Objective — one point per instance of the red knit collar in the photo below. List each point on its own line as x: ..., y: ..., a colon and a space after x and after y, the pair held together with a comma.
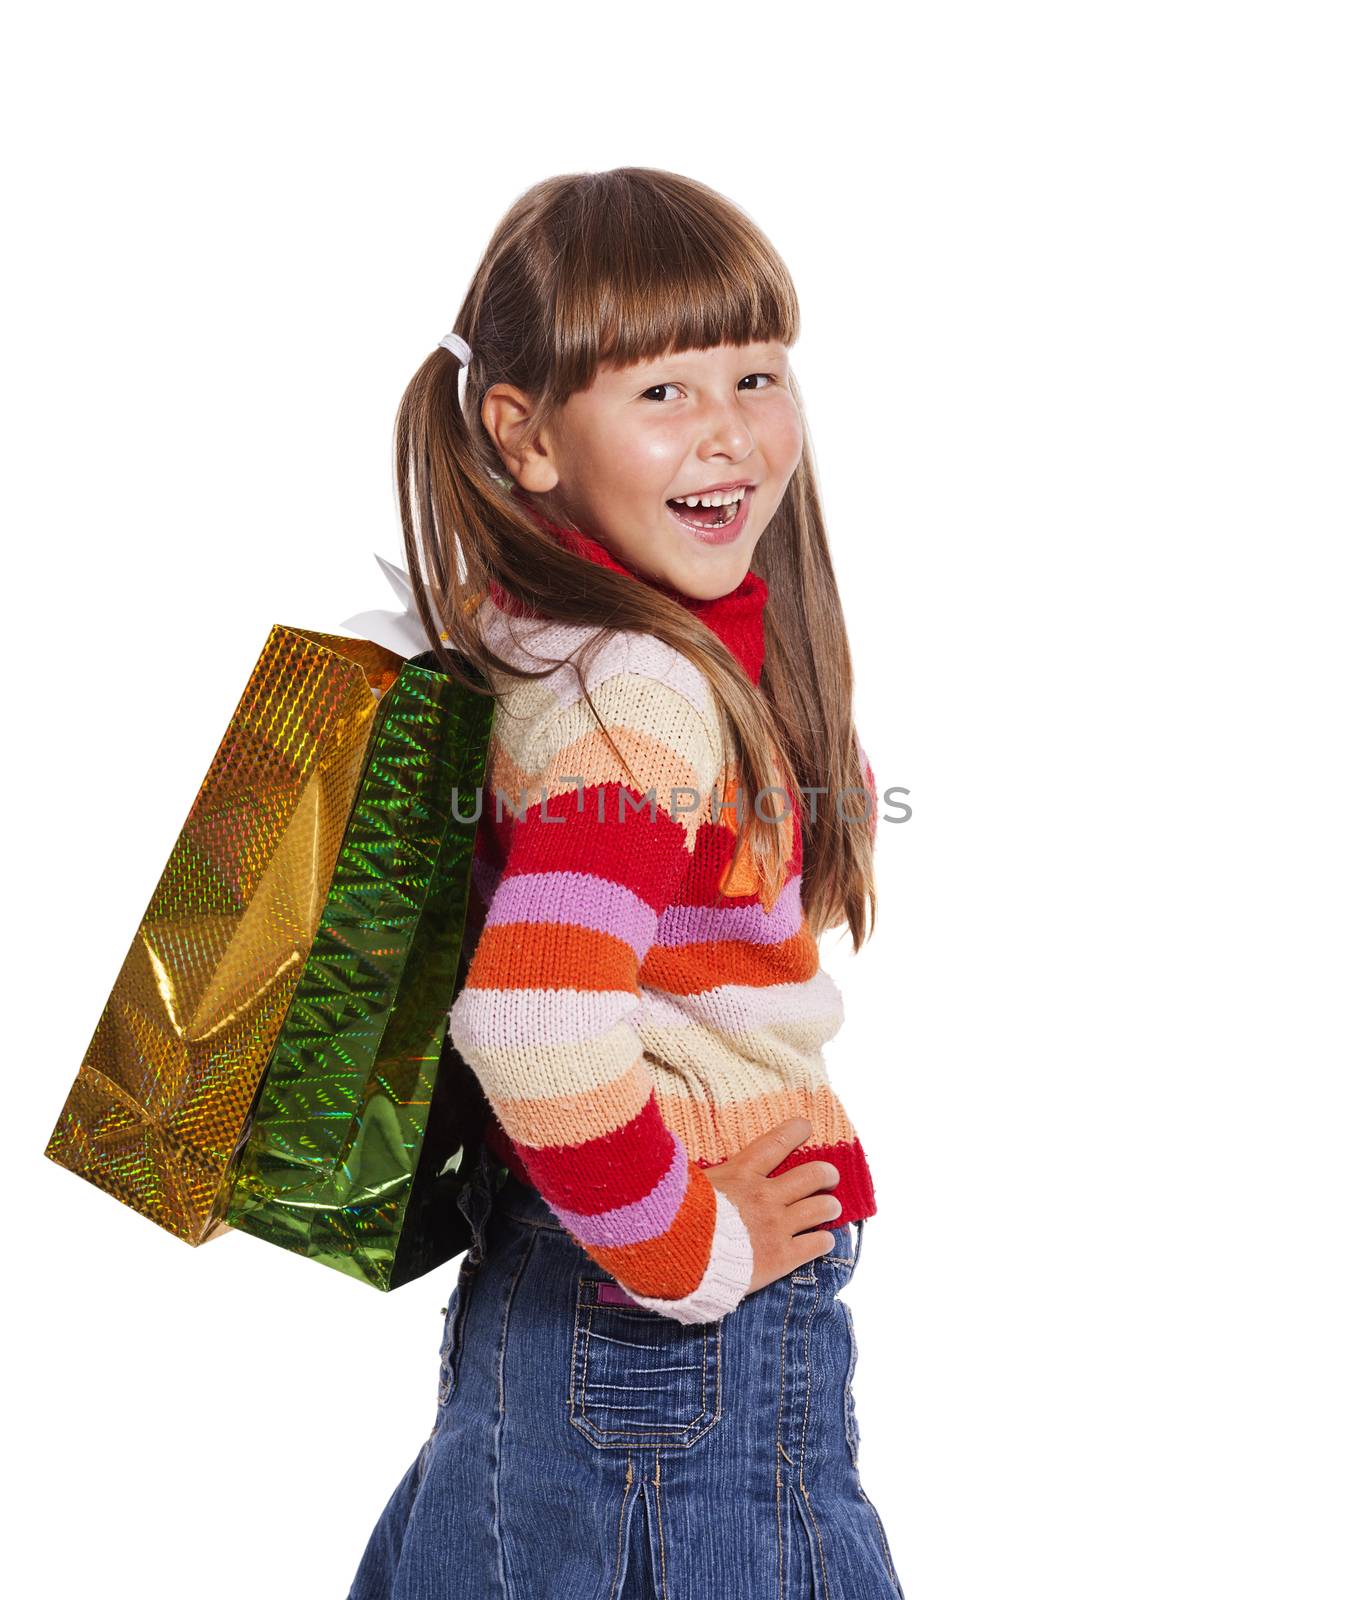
x: 735, y: 618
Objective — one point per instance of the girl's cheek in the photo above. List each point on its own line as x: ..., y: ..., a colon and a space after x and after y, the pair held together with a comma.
x: 781, y: 435
x: 659, y: 454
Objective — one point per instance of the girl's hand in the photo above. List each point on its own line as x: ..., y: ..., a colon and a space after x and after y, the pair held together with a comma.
x: 776, y: 1209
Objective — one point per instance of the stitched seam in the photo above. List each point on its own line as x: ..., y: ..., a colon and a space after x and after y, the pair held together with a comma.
x: 780, y: 1449
x: 446, y: 1376
x: 706, y: 1366
x: 884, y: 1546
x: 621, y: 1519
x: 659, y: 1523
x: 496, y: 1519
x: 716, y: 1417
x: 574, y: 1367
x: 805, y: 1431
x: 849, y: 1404
x: 584, y: 1376
x: 463, y: 1292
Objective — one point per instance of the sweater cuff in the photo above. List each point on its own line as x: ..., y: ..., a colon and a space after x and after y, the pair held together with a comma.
x: 726, y: 1279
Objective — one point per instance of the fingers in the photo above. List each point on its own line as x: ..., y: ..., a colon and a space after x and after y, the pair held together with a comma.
x: 777, y: 1210
x: 770, y: 1149
x: 815, y: 1245
x: 813, y: 1211
x: 805, y: 1178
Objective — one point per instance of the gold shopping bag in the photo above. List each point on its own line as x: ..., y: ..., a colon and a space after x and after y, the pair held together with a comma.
x: 160, y: 1103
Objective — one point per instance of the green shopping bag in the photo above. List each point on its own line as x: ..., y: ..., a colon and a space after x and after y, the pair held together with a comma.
x: 367, y: 1119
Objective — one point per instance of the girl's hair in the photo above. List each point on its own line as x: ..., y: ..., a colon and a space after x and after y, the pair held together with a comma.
x: 620, y: 267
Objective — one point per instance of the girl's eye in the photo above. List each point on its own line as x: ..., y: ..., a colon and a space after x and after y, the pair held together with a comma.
x: 658, y: 387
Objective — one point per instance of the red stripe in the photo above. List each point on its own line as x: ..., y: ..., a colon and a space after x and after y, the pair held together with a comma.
x: 613, y: 1170
x: 624, y: 847
x: 854, y: 1189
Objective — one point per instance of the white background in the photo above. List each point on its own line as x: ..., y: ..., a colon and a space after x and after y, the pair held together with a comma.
x: 1078, y: 355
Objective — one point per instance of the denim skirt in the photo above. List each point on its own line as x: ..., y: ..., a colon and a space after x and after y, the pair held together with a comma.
x: 586, y: 1448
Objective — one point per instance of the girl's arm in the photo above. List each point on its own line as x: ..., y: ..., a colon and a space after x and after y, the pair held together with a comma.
x: 545, y: 1018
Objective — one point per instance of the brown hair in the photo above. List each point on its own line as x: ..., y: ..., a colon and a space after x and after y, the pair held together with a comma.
x: 621, y: 267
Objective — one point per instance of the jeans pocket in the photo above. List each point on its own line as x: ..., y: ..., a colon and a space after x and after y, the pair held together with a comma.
x: 449, y: 1354
x: 638, y: 1377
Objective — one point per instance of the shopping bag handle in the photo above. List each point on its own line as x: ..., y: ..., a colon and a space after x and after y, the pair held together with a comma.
x: 400, y: 631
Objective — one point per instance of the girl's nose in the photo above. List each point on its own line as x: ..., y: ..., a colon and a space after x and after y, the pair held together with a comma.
x: 725, y: 431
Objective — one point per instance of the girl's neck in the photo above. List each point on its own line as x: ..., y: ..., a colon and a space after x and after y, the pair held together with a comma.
x: 735, y: 618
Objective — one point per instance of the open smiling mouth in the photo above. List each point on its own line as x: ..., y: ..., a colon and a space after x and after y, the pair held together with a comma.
x: 728, y: 510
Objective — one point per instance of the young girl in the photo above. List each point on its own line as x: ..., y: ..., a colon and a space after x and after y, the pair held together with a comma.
x: 646, y: 1369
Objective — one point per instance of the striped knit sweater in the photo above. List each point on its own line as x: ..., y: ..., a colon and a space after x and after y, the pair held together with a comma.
x: 631, y: 1012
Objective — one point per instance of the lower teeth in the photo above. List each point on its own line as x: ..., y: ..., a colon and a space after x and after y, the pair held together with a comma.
x: 723, y: 515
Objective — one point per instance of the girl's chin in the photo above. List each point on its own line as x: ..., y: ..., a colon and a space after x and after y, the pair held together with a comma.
x: 705, y: 574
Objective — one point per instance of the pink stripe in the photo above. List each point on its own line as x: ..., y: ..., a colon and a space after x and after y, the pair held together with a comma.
x: 641, y: 1219
x: 681, y: 925
x: 577, y: 898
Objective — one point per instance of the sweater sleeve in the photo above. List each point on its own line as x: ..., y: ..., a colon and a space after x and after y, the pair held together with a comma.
x: 545, y: 1017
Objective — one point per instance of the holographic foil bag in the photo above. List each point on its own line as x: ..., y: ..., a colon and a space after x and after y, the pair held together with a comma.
x: 160, y: 1101
x: 367, y: 1117
x: 280, y: 1018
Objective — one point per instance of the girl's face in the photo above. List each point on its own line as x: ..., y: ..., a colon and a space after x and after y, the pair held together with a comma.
x: 620, y: 452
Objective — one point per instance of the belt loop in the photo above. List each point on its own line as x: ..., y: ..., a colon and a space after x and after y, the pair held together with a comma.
x: 857, y: 1253
x: 475, y: 1201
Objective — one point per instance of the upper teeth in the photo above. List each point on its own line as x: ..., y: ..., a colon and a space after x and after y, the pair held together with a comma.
x: 727, y: 497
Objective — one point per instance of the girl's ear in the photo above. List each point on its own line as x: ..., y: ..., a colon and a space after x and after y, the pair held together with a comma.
x: 505, y: 411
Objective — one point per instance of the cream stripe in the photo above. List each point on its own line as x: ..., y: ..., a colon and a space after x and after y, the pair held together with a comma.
x: 654, y: 711
x: 739, y: 1005
x: 563, y: 1119
x: 531, y: 643
x: 715, y: 1074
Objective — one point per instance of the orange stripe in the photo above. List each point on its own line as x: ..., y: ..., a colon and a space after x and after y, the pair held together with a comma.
x: 551, y: 955
x: 709, y: 1132
x: 672, y: 1263
x: 695, y: 968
